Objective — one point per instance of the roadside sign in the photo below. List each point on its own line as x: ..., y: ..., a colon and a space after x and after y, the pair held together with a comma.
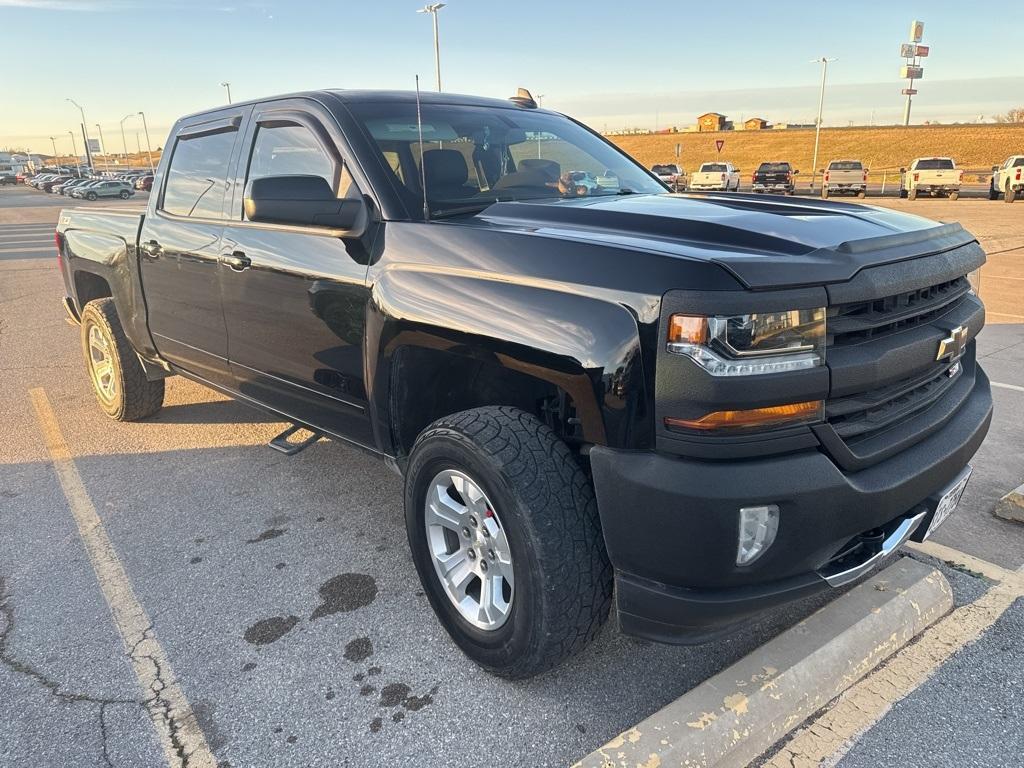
x: 907, y: 50
x: 916, y: 31
x: 719, y: 143
x: 909, y: 91
x: 679, y: 149
x: 911, y: 72
x: 921, y: 50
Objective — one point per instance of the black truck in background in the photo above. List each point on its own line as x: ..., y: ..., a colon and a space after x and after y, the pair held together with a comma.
x: 715, y: 403
x: 776, y: 176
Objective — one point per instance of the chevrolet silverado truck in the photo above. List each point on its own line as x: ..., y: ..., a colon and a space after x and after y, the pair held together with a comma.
x: 1007, y: 179
x: 933, y: 176
x: 716, y: 177
x: 844, y: 177
x: 716, y: 404
x: 774, y: 177
x: 671, y: 175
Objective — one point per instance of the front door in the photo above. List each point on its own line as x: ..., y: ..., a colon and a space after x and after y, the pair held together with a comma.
x: 295, y: 297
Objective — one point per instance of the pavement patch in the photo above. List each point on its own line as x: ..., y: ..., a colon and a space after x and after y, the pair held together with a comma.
x: 732, y: 718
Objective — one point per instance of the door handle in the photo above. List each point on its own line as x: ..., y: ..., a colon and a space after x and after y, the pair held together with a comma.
x: 151, y: 248
x: 237, y: 260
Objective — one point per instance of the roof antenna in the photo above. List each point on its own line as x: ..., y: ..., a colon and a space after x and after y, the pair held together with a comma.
x: 423, y: 159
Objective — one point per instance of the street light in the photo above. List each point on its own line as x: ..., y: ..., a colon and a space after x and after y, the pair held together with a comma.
x: 149, y: 147
x: 432, y: 9
x: 103, y: 146
x: 85, y: 133
x: 821, y: 101
x: 124, y: 144
x: 540, y: 100
x: 74, y: 153
x: 56, y: 162
x: 227, y: 85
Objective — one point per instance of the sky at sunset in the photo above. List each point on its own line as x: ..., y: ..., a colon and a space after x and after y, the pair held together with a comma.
x: 614, y: 65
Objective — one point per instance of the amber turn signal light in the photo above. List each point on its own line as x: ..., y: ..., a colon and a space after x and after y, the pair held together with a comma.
x: 772, y: 416
x: 687, y: 329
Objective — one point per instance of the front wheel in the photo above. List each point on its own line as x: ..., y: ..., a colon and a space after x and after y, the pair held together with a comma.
x: 1010, y: 194
x: 90, y: 196
x: 504, y: 532
x: 912, y: 194
x: 862, y: 194
x: 824, y: 193
x: 118, y: 379
x: 125, y: 194
x: 954, y: 195
x: 993, y: 193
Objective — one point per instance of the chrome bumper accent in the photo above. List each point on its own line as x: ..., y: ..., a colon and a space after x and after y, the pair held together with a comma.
x: 893, y: 541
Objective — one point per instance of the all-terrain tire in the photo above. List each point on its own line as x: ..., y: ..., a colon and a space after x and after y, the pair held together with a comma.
x: 134, y: 396
x: 547, y: 507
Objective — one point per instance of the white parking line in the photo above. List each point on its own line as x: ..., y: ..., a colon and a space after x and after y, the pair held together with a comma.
x: 180, y: 735
x: 1014, y: 387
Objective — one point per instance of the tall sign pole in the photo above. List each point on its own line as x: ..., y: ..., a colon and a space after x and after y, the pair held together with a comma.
x: 912, y: 70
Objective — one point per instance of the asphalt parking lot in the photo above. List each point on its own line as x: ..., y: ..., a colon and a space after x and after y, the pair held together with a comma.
x: 281, y: 589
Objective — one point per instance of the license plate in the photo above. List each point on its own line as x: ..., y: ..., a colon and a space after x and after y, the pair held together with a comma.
x: 949, y: 500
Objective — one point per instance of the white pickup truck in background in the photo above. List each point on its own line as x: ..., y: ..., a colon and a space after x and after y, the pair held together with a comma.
x: 1007, y: 179
x: 935, y: 176
x: 722, y: 177
x: 672, y: 175
x: 844, y: 177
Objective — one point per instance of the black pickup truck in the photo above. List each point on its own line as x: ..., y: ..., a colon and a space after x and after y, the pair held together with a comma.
x: 777, y: 176
x: 715, y: 403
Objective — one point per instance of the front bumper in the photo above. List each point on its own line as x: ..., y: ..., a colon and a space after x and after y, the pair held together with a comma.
x: 671, y: 524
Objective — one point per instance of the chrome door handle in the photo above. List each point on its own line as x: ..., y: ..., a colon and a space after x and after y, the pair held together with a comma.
x: 151, y: 248
x: 237, y: 260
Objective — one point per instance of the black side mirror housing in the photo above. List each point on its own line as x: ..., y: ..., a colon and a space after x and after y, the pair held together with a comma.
x: 301, y: 201
x: 995, y: 167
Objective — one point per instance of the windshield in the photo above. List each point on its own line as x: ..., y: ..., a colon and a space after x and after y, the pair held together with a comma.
x: 474, y: 156
x: 935, y: 164
x: 845, y: 165
x: 713, y: 168
x: 664, y: 170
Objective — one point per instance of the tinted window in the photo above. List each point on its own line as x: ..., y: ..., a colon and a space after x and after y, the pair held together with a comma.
x: 935, y: 164
x: 289, y: 150
x: 666, y: 169
x: 1019, y: 162
x: 713, y: 168
x: 846, y: 165
x: 774, y: 167
x: 197, y: 175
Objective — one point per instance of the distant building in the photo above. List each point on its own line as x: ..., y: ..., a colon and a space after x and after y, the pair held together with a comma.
x: 791, y: 126
x: 755, y: 124
x: 713, y: 121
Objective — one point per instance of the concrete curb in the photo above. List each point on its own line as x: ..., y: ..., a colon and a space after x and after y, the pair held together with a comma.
x: 732, y: 718
x: 1011, y: 506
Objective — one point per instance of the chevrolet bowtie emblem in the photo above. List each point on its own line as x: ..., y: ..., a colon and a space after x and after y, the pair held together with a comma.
x: 953, y: 345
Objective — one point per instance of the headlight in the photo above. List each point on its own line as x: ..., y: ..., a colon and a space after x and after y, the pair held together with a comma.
x: 742, y: 345
x: 974, y: 278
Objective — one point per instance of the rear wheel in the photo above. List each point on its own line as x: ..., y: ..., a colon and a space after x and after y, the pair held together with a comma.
x: 912, y: 194
x: 954, y: 195
x: 862, y: 194
x: 824, y: 193
x: 504, y: 532
x: 1010, y: 194
x: 122, y: 389
x: 993, y: 193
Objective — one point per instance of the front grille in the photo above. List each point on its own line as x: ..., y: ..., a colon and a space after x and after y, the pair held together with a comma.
x: 861, y: 321
x: 863, y: 415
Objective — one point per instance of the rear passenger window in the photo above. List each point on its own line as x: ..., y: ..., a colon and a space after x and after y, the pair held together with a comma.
x: 197, y: 175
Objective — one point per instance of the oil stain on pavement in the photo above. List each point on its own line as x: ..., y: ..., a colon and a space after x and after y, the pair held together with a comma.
x: 270, y: 533
x: 267, y: 631
x: 344, y: 593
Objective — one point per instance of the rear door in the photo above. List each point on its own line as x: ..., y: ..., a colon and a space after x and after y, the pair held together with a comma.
x: 295, y: 305
x: 180, y: 245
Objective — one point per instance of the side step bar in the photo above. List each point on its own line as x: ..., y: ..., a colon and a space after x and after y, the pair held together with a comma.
x: 282, y: 444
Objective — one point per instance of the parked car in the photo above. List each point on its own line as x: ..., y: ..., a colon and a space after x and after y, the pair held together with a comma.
x: 844, y: 177
x: 49, y: 184
x: 8, y: 179
x: 1007, y: 179
x: 583, y: 389
x: 144, y: 183
x: 716, y: 176
x: 37, y: 180
x: 934, y: 176
x: 80, y: 190
x: 672, y: 175
x: 777, y: 176
x: 105, y: 188
x: 65, y: 187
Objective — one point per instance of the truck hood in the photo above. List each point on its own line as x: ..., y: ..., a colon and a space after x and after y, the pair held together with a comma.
x: 763, y: 242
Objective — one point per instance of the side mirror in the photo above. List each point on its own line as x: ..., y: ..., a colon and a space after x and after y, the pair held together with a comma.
x: 995, y: 167
x: 796, y: 173
x: 903, y: 170
x: 302, y: 201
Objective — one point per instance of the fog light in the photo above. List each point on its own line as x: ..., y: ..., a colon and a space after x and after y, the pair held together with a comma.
x: 758, y: 526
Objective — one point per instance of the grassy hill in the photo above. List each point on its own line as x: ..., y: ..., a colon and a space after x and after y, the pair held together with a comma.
x: 974, y: 147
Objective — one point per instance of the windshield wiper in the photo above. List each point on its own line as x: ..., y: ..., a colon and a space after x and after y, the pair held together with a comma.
x: 461, y: 210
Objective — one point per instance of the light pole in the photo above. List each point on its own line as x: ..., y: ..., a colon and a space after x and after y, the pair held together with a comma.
x: 103, y: 146
x: 432, y: 9
x: 124, y: 144
x: 74, y: 153
x: 149, y: 147
x: 821, y: 102
x: 227, y: 85
x: 540, y: 100
x: 85, y: 133
x: 56, y: 162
